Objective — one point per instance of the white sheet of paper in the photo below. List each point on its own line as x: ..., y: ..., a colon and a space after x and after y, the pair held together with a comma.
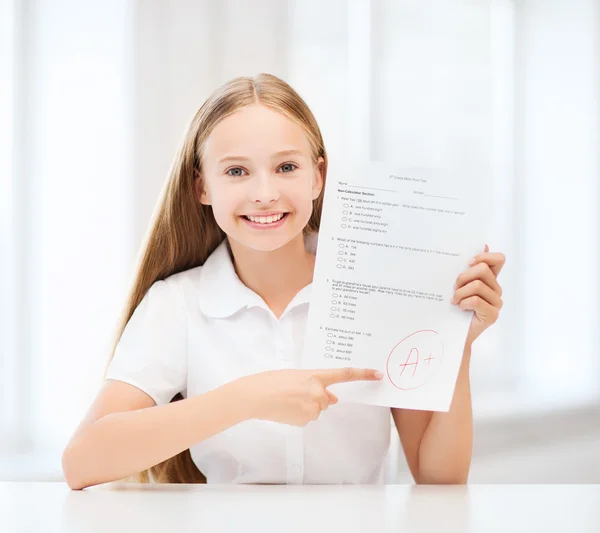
x: 391, y: 244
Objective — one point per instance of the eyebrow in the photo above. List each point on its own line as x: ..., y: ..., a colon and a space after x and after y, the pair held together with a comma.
x: 243, y: 158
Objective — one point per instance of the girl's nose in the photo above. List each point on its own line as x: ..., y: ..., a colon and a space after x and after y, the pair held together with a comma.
x: 264, y: 188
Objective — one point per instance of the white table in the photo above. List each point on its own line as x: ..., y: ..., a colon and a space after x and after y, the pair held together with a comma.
x: 114, y: 507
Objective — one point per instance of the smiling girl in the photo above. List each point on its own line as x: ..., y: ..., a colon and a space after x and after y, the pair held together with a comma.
x: 205, y: 382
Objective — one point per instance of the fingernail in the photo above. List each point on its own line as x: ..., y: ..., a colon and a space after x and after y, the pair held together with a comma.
x: 472, y: 261
x: 378, y: 374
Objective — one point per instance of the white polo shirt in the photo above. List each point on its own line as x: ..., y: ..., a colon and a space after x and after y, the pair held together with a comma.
x: 202, y: 328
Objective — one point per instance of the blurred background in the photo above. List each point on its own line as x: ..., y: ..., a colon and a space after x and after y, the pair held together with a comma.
x: 95, y: 97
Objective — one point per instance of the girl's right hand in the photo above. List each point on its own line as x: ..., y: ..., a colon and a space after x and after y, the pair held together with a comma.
x: 296, y: 396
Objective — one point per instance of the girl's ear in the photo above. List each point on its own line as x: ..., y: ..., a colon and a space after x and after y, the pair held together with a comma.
x: 200, y: 191
x: 318, y: 178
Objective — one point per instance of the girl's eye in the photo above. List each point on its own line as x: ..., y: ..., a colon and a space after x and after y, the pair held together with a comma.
x: 237, y: 174
x: 288, y: 165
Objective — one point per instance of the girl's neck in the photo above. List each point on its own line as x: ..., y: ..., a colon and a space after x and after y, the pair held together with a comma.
x: 275, y: 276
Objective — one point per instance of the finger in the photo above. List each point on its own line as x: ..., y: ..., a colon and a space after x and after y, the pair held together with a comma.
x: 341, y: 375
x: 324, y: 402
x: 485, y: 312
x: 333, y: 399
x: 494, y: 260
x: 478, y: 288
x: 480, y: 271
x: 319, y: 394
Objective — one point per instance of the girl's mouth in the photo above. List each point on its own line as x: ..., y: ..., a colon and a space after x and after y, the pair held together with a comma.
x: 270, y: 222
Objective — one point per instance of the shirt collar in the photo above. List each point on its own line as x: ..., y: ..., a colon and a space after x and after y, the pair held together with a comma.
x: 222, y: 293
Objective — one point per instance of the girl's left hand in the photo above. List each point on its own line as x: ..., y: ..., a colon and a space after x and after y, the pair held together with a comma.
x: 477, y: 289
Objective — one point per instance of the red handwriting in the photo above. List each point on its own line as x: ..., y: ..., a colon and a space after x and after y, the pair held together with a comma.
x: 410, y: 352
x: 414, y: 364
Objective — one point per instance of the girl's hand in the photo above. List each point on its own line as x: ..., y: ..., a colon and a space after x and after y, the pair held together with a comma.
x: 477, y: 289
x: 296, y: 396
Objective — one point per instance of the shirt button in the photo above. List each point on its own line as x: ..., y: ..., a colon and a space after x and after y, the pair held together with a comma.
x: 296, y: 469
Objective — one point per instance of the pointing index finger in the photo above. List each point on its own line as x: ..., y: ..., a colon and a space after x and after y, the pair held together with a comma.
x: 341, y: 375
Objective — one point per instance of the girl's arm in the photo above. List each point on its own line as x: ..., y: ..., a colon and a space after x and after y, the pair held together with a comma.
x: 438, y: 445
x: 125, y: 432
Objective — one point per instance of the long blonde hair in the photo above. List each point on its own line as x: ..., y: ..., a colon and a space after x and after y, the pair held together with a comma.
x: 183, y: 232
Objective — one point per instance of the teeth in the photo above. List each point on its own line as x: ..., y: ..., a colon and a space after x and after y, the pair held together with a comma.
x: 266, y: 220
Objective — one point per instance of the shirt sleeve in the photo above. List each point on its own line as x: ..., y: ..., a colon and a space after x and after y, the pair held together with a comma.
x: 152, y: 352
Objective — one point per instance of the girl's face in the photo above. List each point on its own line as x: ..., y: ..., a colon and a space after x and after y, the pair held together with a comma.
x: 259, y: 177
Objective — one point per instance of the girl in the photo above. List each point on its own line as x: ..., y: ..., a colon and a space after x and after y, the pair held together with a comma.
x: 204, y: 384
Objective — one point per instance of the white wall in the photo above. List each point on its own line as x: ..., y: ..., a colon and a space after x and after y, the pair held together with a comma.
x: 557, y: 196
